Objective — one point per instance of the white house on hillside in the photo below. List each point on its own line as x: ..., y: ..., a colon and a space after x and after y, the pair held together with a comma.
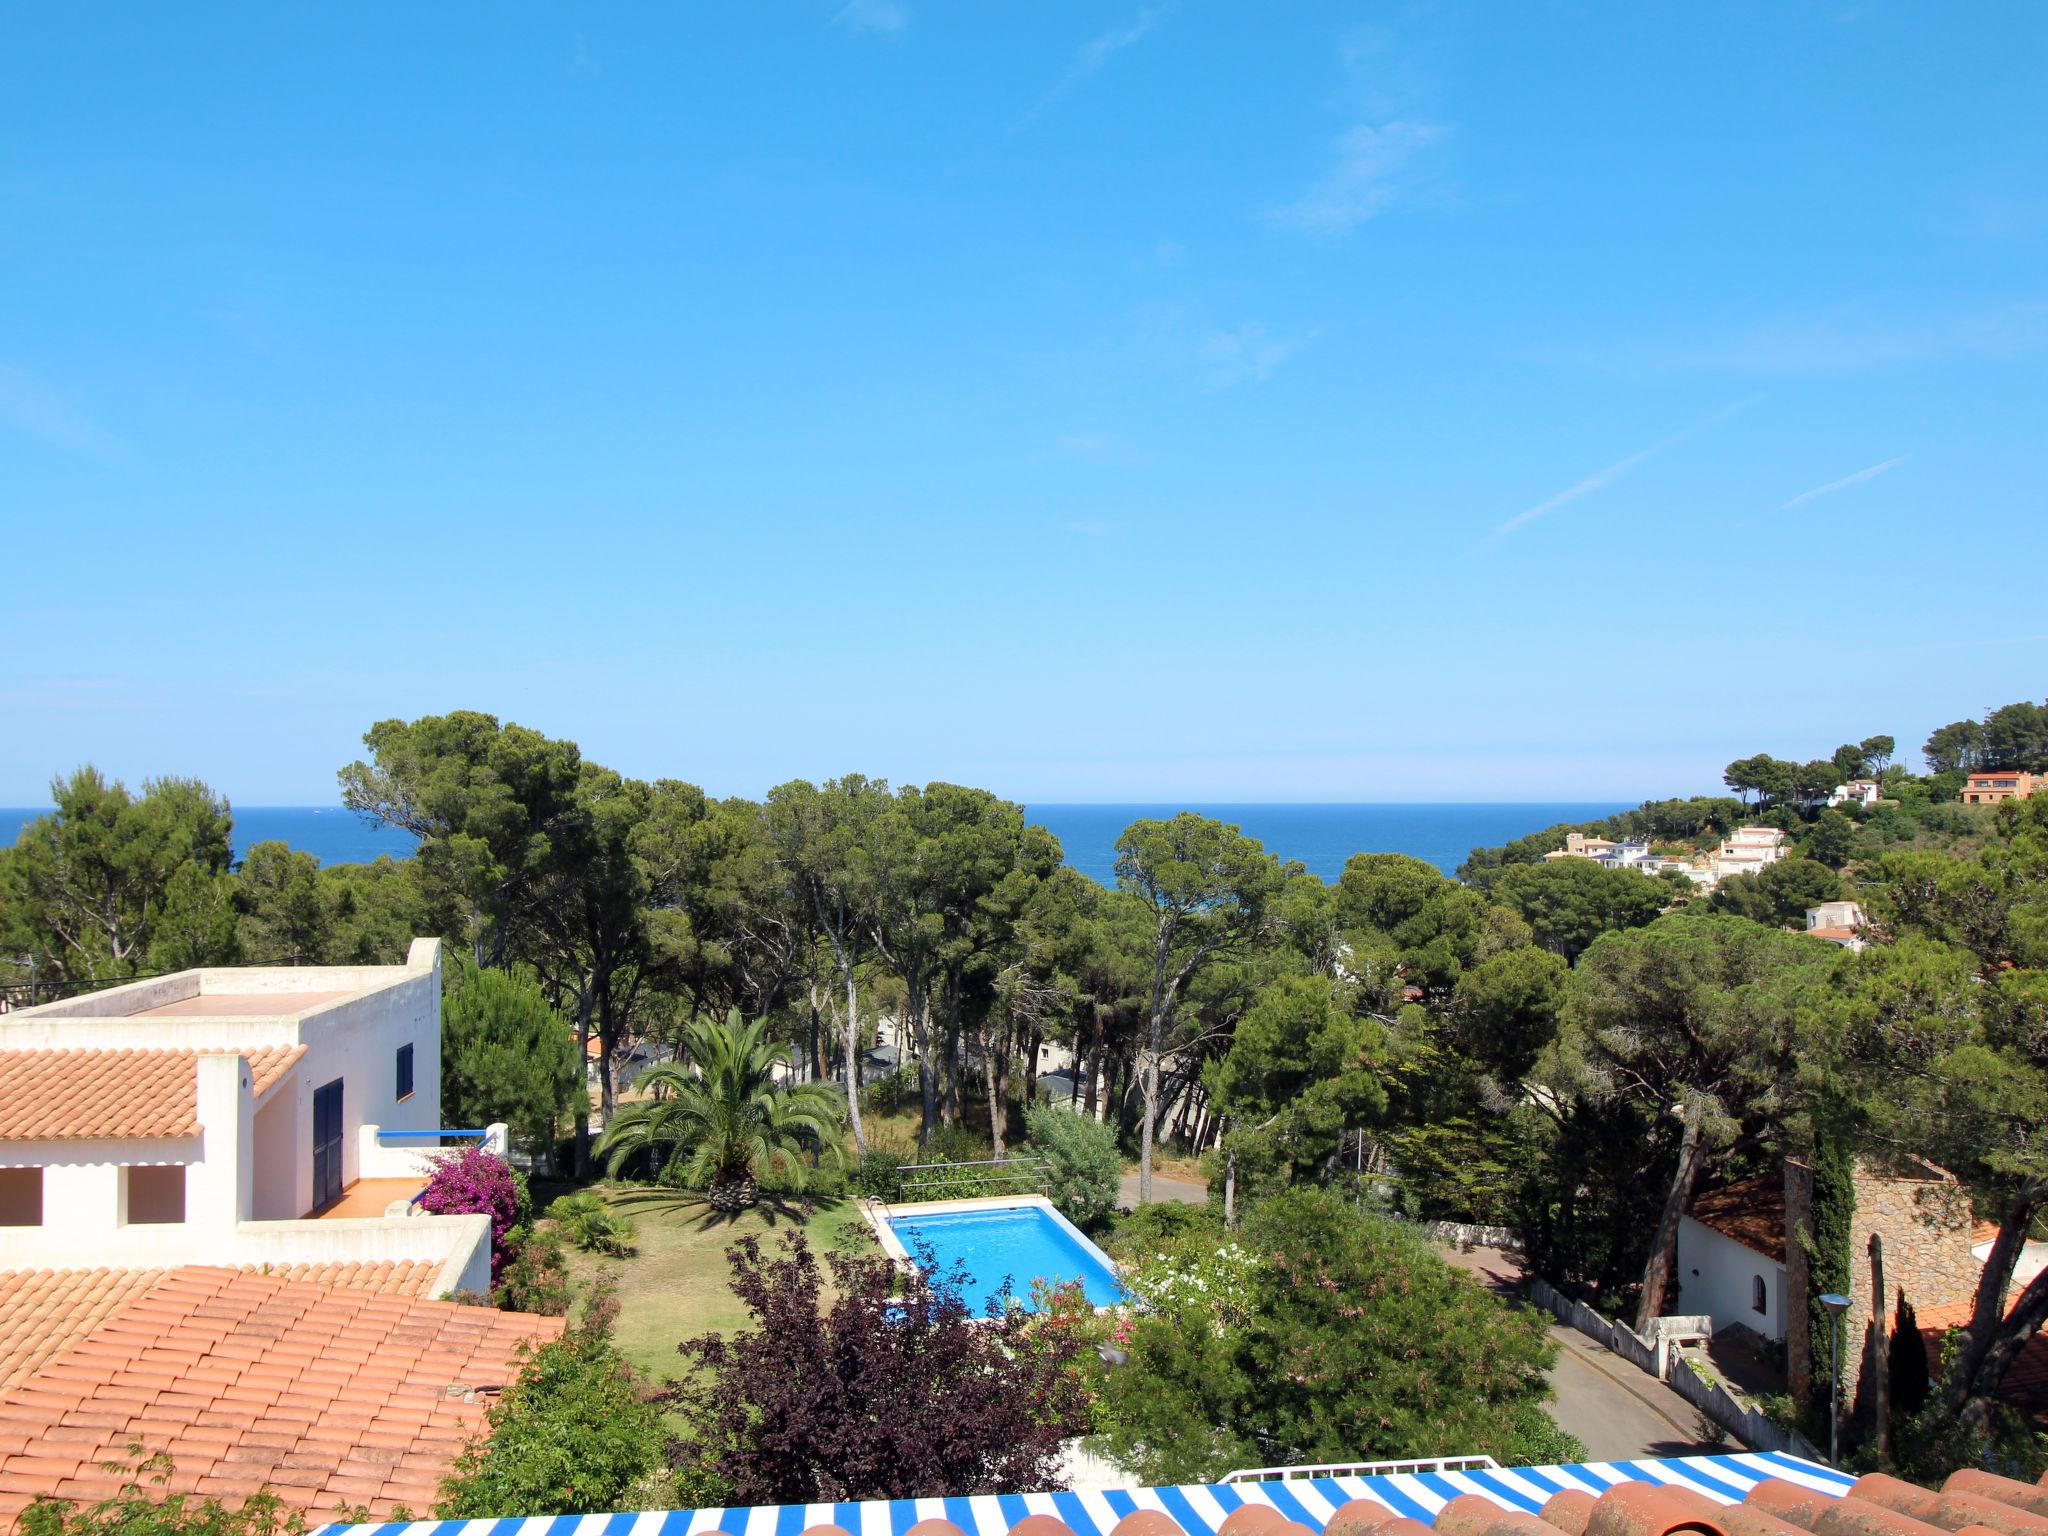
x: 1839, y: 922
x: 199, y: 1118
x: 1855, y: 792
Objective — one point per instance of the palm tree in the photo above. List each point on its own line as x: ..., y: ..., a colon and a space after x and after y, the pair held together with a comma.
x: 722, y: 1119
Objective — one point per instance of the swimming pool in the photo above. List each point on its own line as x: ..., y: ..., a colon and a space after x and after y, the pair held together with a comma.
x: 1018, y: 1240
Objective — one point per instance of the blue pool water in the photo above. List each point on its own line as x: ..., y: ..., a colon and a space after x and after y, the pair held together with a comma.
x: 1018, y: 1246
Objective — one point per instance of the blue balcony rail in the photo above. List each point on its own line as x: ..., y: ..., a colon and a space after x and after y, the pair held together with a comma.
x: 462, y: 1135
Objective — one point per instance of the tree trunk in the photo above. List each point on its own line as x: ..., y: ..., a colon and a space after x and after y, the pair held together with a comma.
x: 1230, y: 1189
x: 1150, y: 1123
x: 1996, y: 1335
x: 1664, y: 1247
x: 917, y: 1008
x: 583, y: 1101
x: 1095, y: 1098
x: 993, y: 1080
x: 860, y: 1140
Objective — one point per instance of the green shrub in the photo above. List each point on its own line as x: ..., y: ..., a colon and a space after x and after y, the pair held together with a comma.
x: 886, y: 1095
x: 142, y: 1508
x: 956, y: 1144
x: 1082, y: 1166
x: 1164, y: 1225
x: 534, y: 1278
x: 1355, y: 1340
x: 571, y: 1436
x: 592, y: 1225
x: 875, y: 1174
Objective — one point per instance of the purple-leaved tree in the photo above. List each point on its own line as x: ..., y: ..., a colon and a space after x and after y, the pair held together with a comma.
x: 862, y: 1381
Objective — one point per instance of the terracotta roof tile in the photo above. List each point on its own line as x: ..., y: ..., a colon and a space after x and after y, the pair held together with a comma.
x: 60, y: 1095
x: 1751, y: 1211
x: 342, y: 1360
x: 2026, y: 1380
x: 61, y: 1326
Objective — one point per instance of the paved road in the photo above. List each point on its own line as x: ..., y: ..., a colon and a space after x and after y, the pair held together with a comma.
x: 1617, y: 1411
x: 1163, y: 1189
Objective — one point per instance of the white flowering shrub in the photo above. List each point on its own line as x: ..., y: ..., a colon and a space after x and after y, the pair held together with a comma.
x: 1195, y: 1284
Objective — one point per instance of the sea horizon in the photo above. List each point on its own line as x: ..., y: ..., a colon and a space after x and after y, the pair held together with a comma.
x: 1320, y: 834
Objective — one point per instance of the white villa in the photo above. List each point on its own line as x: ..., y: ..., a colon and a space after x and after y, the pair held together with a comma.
x: 1855, y: 792
x: 1625, y: 853
x: 1748, y: 850
x: 1839, y: 922
x: 210, y: 1116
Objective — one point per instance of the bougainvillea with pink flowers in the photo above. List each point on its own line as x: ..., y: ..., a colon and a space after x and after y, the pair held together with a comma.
x: 476, y: 1181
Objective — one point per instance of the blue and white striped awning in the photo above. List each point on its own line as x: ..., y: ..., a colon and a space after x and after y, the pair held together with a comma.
x: 1198, y: 1510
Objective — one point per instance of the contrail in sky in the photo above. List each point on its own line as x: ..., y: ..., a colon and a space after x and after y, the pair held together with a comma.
x: 1614, y: 471
x: 1845, y: 482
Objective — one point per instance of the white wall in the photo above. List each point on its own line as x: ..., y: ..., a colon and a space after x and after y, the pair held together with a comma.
x: 277, y: 1144
x: 1716, y: 1277
x: 356, y: 1039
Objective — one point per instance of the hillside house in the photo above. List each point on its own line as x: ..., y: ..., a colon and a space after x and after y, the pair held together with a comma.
x: 1999, y: 785
x: 200, y: 1117
x: 1839, y: 922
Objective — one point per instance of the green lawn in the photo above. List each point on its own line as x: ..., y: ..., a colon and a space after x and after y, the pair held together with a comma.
x: 676, y: 1287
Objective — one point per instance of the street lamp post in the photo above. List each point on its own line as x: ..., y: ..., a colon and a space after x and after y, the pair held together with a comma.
x: 1838, y: 1307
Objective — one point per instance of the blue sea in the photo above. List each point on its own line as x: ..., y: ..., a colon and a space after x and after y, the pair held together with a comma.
x: 1321, y: 836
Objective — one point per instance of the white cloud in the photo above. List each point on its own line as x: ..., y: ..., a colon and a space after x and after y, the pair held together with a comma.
x: 872, y: 16
x: 1846, y: 342
x: 1247, y: 353
x: 1373, y: 166
x: 1620, y: 467
x: 1090, y: 57
x: 29, y: 408
x: 1845, y: 482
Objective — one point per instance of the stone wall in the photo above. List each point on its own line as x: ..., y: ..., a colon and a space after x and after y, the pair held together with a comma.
x: 1924, y: 1217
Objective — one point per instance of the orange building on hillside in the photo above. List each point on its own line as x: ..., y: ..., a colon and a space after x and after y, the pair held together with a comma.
x: 2000, y: 784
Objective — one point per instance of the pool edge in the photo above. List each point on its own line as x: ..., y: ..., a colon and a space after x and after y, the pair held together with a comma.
x: 879, y: 1212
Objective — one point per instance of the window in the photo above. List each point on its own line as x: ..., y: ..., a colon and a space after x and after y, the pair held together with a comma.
x: 21, y: 1197
x: 1759, y: 1298
x: 154, y: 1195
x: 405, y: 1071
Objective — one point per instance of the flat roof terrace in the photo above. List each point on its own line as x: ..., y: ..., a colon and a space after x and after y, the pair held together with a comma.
x: 215, y: 1005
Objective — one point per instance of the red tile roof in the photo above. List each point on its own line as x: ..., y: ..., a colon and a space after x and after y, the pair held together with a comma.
x: 61, y: 1095
x: 329, y: 1396
x: 2026, y: 1380
x: 43, y: 1312
x: 1751, y: 1211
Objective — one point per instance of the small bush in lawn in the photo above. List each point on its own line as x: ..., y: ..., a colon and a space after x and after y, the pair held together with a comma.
x: 592, y: 1225
x: 1082, y: 1166
x: 142, y: 1508
x: 476, y: 1181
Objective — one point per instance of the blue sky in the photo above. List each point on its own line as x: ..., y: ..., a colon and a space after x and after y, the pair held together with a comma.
x: 1305, y: 402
